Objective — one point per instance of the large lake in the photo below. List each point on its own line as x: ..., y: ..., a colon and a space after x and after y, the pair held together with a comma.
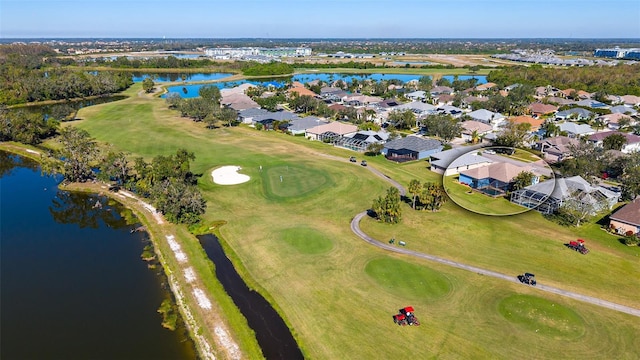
x: 73, y: 283
x: 191, y: 90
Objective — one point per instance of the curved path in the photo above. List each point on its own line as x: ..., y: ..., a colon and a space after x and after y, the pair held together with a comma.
x: 355, y: 227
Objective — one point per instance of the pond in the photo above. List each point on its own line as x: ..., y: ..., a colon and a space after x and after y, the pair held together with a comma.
x: 73, y: 283
x: 68, y: 107
x: 191, y: 90
x: 272, y: 333
x: 172, y: 77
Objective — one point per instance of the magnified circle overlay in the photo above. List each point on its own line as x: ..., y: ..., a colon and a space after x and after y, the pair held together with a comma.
x: 498, y: 181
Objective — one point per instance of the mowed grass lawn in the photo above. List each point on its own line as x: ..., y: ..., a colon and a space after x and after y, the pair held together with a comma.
x: 292, y: 238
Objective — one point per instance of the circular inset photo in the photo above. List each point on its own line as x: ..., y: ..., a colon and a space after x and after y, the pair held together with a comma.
x: 497, y: 181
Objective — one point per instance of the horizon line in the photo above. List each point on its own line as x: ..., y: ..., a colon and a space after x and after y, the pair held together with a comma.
x: 318, y: 38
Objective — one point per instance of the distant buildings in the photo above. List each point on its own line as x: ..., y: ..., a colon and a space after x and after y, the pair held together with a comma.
x: 252, y: 52
x: 618, y: 53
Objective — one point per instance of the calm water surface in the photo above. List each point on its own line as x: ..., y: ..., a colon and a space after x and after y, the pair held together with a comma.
x: 191, y: 90
x: 73, y: 283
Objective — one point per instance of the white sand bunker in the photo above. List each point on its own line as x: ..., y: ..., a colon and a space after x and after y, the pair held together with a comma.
x: 228, y: 175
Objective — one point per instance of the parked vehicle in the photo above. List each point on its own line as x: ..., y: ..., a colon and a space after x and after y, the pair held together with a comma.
x: 528, y: 279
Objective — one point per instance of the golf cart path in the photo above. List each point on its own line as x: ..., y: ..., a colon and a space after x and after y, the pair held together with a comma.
x: 355, y: 227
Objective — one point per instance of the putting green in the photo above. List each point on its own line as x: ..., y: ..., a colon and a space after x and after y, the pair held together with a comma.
x: 292, y: 182
x: 542, y: 316
x: 408, y: 280
x: 306, y: 240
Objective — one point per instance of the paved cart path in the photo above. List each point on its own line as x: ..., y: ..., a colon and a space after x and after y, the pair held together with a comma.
x: 355, y: 227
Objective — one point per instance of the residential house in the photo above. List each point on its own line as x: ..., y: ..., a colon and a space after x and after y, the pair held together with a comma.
x: 613, y: 120
x: 332, y: 93
x: 418, y: 95
x: 246, y: 116
x: 486, y: 86
x: 360, y: 100
x: 267, y: 120
x: 622, y: 109
x: 496, y: 120
x: 524, y: 119
x: 388, y: 103
x: 574, y: 130
x: 361, y: 140
x: 560, y: 101
x: 453, y: 161
x: 411, y: 148
x: 240, y: 89
x: 331, y: 131
x: 540, y: 109
x: 300, y: 125
x: 439, y: 90
x: 592, y: 104
x: 238, y: 101
x: 631, y: 100
x: 493, y: 179
x: 443, y: 99
x: 301, y: 91
x: 468, y: 127
x: 627, y: 218
x: 574, y: 114
x: 469, y: 100
x: 547, y: 196
x: 557, y: 148
x: 455, y: 112
x: 418, y: 107
x: 633, y: 141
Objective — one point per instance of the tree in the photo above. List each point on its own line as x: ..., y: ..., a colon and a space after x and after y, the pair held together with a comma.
x: 179, y: 202
x: 374, y: 149
x: 415, y: 187
x: 585, y: 159
x: 388, y: 209
x: 402, y: 119
x: 514, y: 135
x: 614, y: 142
x: 522, y: 180
x: 630, y: 178
x: 432, y: 196
x: 475, y: 137
x: 576, y: 210
x: 210, y: 93
x: 77, y: 152
x: 115, y: 166
x: 228, y: 116
x: 425, y: 83
x: 147, y: 85
x: 551, y: 129
x: 443, y: 126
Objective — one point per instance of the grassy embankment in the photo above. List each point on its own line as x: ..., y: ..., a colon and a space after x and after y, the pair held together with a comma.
x: 339, y: 293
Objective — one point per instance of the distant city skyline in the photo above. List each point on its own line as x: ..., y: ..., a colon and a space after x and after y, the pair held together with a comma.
x: 319, y: 19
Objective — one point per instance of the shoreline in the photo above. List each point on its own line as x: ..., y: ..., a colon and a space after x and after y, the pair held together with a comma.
x: 213, y: 339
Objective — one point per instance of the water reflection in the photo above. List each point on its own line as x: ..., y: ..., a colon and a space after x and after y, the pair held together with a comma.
x: 84, y: 210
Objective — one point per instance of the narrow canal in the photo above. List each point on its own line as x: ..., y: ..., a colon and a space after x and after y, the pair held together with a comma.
x: 272, y: 333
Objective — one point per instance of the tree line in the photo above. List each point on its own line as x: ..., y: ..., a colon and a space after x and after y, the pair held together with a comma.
x: 619, y: 80
x: 167, y: 181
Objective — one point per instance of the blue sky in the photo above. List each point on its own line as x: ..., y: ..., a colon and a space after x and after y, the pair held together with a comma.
x: 321, y: 19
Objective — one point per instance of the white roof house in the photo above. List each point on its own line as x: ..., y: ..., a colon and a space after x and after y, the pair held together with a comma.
x: 494, y: 119
x: 576, y: 130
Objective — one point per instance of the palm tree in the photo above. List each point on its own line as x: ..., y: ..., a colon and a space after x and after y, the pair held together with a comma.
x: 415, y: 187
x: 475, y: 137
